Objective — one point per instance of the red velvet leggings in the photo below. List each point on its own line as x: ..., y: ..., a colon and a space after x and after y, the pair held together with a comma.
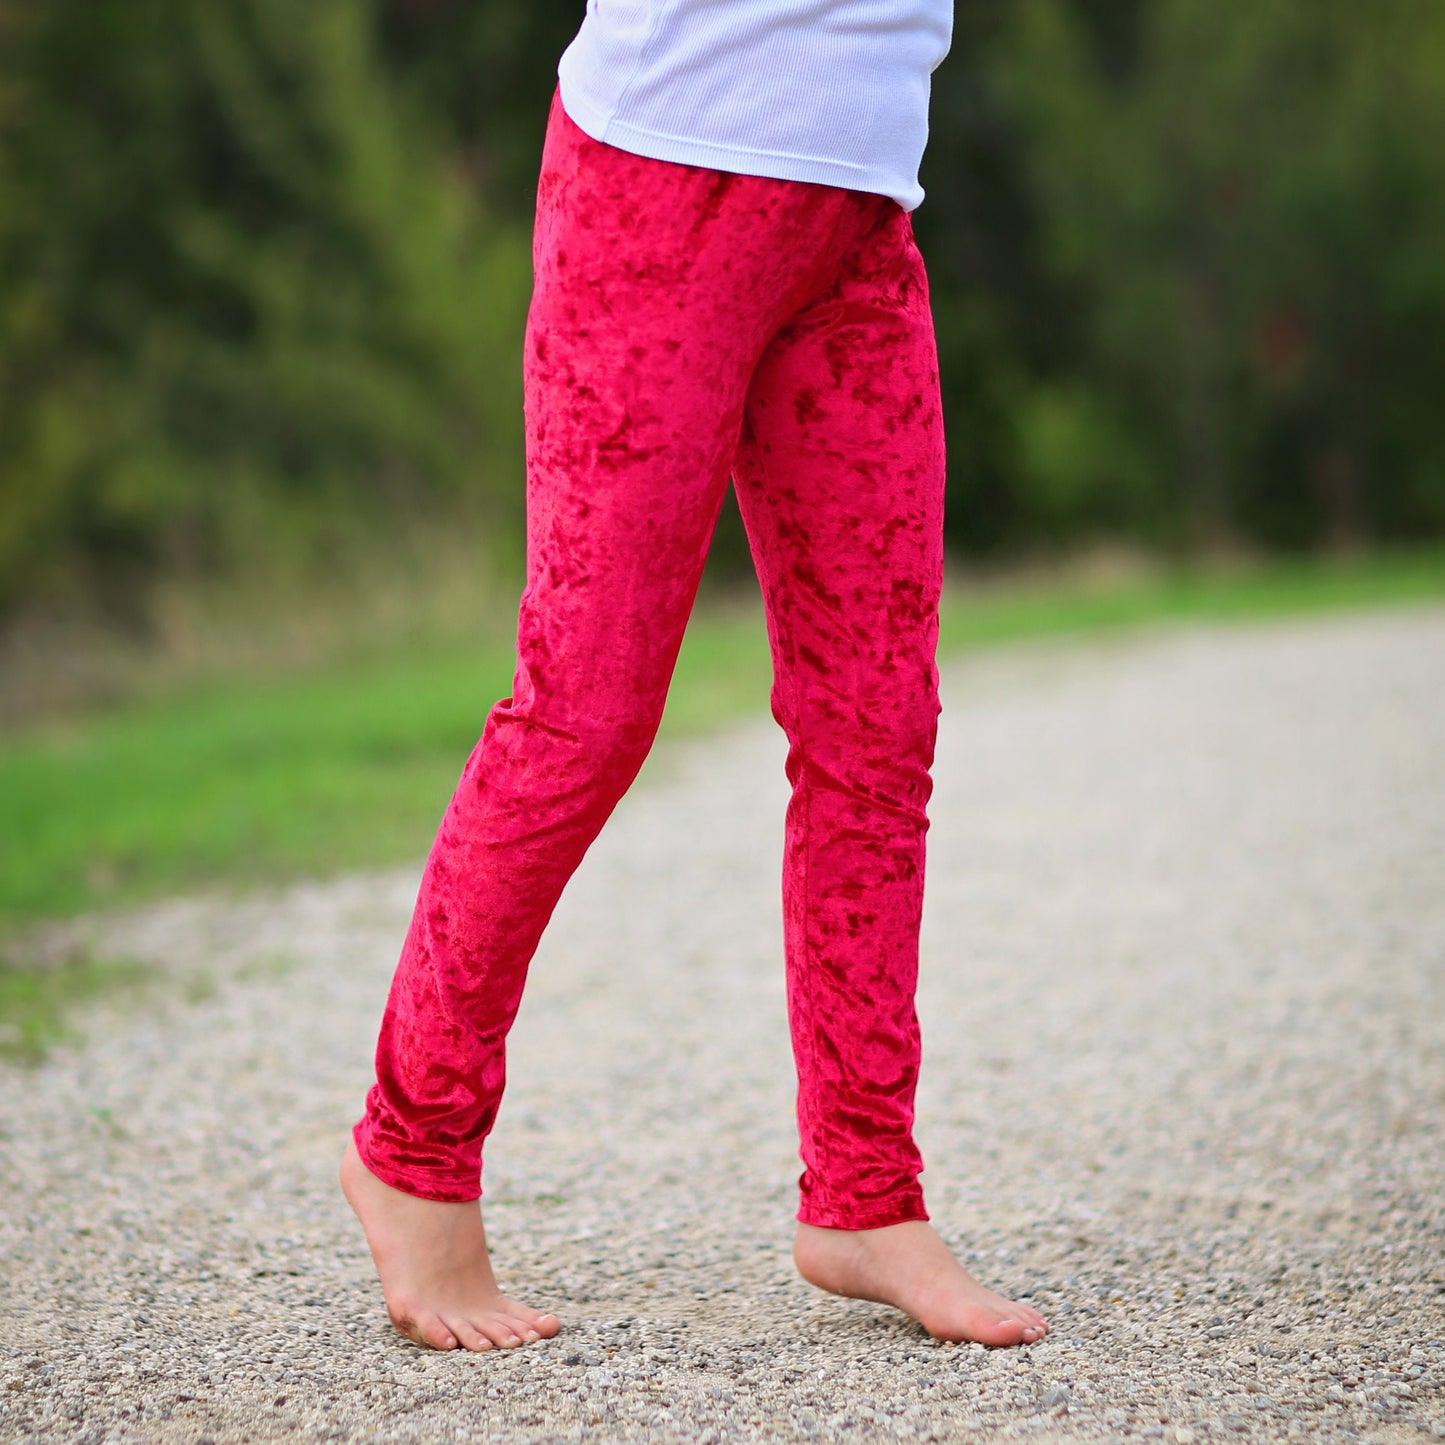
x: 688, y: 325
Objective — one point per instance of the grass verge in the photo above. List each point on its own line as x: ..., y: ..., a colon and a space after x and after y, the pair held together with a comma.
x: 262, y: 782
x: 37, y: 1000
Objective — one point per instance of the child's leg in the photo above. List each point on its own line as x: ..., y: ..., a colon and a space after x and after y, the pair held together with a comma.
x: 657, y: 288
x: 840, y: 482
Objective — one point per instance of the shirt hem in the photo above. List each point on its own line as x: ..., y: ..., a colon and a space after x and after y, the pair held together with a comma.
x: 602, y: 126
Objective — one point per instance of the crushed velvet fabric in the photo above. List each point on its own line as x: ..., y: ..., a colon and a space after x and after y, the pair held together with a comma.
x: 689, y: 325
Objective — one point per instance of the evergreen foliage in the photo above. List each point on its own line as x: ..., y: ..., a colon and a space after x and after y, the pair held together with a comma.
x: 264, y: 267
x: 250, y: 303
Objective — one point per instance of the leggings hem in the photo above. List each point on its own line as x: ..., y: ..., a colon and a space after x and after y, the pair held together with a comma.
x: 902, y: 1210
x: 418, y: 1183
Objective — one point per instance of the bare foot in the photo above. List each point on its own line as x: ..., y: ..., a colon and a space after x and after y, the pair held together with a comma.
x: 909, y: 1266
x: 435, y: 1271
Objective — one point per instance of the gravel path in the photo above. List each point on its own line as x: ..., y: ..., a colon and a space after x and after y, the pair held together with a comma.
x: 1184, y: 1088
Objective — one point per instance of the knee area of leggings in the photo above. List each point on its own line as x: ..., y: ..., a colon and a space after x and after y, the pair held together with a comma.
x: 896, y: 731
x: 532, y: 750
x: 869, y: 777
x: 611, y: 748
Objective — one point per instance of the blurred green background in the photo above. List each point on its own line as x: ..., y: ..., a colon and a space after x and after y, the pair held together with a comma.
x: 263, y: 273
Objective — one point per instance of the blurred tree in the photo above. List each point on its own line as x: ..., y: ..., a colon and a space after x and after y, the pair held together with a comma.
x: 992, y: 301
x: 1249, y: 214
x: 486, y: 69
x: 247, y: 301
x: 263, y: 271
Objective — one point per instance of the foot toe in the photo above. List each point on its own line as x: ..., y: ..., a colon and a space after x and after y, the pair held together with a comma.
x: 1005, y: 1332
x: 469, y: 1336
x: 545, y: 1325
x: 500, y: 1331
x: 522, y: 1328
x: 420, y: 1326
x: 434, y: 1332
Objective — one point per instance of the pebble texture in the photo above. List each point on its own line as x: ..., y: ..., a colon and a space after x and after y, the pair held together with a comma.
x: 1183, y: 1088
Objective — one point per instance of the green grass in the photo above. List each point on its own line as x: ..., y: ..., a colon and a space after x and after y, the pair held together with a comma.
x: 1253, y: 592
x: 259, y: 782
x: 36, y: 1000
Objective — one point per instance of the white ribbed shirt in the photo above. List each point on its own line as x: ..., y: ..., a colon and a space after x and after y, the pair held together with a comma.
x: 834, y: 91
